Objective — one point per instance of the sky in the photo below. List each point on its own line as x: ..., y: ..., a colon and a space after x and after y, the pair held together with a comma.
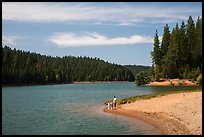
x: 117, y: 32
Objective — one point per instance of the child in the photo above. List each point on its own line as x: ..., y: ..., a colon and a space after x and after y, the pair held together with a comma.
x: 108, y: 105
x: 111, y: 105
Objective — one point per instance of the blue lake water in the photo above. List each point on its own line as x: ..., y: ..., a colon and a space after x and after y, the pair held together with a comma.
x: 71, y: 109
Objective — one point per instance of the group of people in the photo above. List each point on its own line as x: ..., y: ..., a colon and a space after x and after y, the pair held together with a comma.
x: 112, y: 105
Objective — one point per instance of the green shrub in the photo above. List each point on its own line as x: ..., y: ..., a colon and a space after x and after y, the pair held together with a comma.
x: 142, y: 78
x: 194, y: 74
x: 199, y: 79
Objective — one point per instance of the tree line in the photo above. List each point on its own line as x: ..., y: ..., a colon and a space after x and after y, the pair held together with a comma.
x: 22, y: 67
x: 179, y: 54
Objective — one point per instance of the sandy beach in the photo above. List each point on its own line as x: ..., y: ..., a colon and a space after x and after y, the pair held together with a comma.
x: 173, y: 82
x: 174, y: 114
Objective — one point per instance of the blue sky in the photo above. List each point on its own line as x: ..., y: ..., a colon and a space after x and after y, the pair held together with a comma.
x: 117, y: 32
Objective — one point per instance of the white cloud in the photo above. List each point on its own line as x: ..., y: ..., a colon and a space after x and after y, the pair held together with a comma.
x: 72, y: 12
x: 95, y: 39
x: 9, y: 40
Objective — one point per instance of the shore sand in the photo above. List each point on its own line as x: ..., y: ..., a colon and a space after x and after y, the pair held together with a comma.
x: 174, y: 114
x: 173, y: 82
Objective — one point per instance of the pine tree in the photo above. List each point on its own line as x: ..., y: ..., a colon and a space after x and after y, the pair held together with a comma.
x: 164, y: 48
x: 172, y: 57
x: 183, y: 44
x: 199, y: 42
x: 165, y: 40
x: 156, y: 56
x: 191, y: 42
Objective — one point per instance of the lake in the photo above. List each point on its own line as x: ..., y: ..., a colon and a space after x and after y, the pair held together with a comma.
x: 72, y: 109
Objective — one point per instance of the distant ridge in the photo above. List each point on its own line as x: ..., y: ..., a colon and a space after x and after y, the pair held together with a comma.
x: 135, y: 69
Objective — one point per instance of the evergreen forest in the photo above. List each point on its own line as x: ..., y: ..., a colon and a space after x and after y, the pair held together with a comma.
x: 26, y: 68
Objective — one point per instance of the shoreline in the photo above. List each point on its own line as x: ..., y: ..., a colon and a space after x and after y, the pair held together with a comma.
x: 97, y: 82
x: 82, y: 82
x: 163, y: 82
x: 173, y: 82
x: 171, y: 114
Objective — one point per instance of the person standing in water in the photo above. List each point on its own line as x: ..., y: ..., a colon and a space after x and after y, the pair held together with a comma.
x: 114, y: 101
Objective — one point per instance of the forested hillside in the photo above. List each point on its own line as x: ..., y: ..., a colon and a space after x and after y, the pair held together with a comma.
x: 21, y: 67
x: 179, y: 54
x: 135, y: 69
